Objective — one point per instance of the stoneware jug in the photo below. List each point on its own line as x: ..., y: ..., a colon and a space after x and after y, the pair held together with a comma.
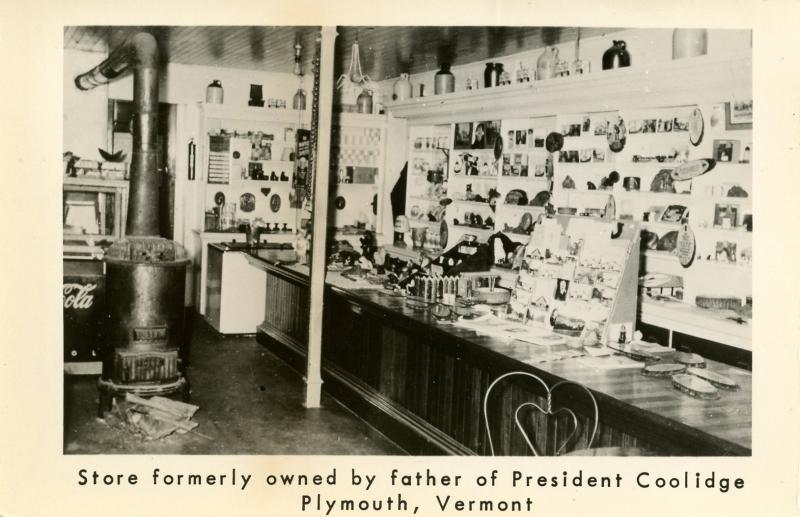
x: 214, y: 92
x: 617, y: 56
x: 402, y: 88
x: 689, y: 43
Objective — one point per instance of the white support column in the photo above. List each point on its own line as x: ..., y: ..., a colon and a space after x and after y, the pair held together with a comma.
x: 320, y: 220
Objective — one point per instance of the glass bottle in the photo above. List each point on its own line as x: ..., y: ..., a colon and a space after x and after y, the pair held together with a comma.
x: 364, y: 102
x: 444, y: 82
x: 299, y: 100
x: 546, y: 64
x: 498, y: 71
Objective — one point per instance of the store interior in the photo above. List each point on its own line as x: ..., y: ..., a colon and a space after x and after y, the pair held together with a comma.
x: 506, y: 211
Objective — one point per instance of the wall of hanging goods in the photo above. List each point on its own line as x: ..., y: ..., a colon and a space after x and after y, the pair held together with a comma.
x: 248, y: 168
x: 667, y: 147
x: 358, y: 162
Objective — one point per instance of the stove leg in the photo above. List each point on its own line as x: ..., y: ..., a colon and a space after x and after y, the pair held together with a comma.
x: 186, y: 392
x: 105, y: 402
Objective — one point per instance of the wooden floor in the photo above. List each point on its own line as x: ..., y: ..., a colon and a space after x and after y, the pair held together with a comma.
x: 250, y: 403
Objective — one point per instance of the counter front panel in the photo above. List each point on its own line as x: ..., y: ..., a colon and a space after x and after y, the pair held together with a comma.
x: 422, y: 383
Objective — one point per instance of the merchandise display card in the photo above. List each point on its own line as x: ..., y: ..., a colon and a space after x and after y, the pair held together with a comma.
x: 570, y: 278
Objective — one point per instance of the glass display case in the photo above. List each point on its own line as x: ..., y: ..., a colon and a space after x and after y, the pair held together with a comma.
x: 93, y: 215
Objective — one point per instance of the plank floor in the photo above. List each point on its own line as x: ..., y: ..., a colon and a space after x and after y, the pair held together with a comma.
x: 250, y: 403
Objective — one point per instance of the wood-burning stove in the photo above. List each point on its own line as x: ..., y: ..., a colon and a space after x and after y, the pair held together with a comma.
x: 145, y: 274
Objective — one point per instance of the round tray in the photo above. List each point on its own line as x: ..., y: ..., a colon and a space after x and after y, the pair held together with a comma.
x: 715, y: 379
x: 694, y: 386
x: 441, y: 312
x: 690, y: 359
x: 633, y: 352
x: 663, y: 369
x: 464, y: 312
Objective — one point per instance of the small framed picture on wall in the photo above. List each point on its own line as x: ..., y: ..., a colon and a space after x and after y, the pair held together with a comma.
x: 726, y: 151
x: 739, y: 114
x: 726, y: 216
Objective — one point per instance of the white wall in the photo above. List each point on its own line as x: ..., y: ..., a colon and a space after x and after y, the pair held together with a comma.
x: 85, y: 112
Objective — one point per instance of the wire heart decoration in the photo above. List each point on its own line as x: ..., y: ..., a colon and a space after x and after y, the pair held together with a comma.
x: 547, y: 411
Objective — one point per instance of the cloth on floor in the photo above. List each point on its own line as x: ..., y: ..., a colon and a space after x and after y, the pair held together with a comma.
x: 151, y: 419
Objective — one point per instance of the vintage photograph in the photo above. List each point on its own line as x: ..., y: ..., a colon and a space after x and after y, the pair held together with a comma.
x: 253, y: 266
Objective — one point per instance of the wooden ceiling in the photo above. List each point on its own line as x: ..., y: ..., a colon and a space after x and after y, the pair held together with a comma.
x: 385, y: 51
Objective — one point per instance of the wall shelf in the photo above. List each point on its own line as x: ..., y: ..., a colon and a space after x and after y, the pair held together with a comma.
x: 672, y: 83
x: 254, y: 114
x: 694, y: 321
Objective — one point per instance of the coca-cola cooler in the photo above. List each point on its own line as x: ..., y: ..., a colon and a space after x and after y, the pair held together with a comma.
x: 84, y: 298
x: 94, y: 218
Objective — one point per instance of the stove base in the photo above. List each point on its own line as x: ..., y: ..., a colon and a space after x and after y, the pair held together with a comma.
x: 109, y: 390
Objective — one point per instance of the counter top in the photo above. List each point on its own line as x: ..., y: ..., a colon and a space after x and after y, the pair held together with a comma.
x: 649, y: 405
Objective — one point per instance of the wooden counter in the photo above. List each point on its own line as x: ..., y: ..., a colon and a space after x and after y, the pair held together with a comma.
x: 422, y: 383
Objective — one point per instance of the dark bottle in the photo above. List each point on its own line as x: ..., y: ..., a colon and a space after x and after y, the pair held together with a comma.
x: 617, y: 56
x: 498, y: 71
x: 489, y: 76
x: 444, y: 82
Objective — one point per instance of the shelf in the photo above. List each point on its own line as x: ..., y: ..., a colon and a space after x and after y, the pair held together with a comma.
x: 358, y: 147
x: 694, y: 321
x: 255, y: 114
x: 522, y: 207
x: 479, y: 177
x: 365, y: 120
x: 672, y: 259
x: 425, y: 199
x: 370, y: 185
x: 423, y: 222
x: 661, y: 226
x: 531, y: 179
x: 476, y: 204
x: 684, y: 82
x: 722, y: 231
x: 468, y: 229
x: 272, y: 163
x: 429, y: 150
x: 657, y: 195
x: 409, y: 253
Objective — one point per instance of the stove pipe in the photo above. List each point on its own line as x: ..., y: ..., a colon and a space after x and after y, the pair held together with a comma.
x: 139, y: 53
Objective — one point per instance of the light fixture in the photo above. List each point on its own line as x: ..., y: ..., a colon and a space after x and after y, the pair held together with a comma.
x: 355, y: 79
x: 297, y: 48
x: 299, y: 99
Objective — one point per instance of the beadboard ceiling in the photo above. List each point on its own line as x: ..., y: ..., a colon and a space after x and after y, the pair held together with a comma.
x: 385, y: 51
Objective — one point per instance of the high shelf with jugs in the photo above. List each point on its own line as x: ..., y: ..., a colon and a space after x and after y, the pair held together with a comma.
x: 244, y: 171
x: 358, y: 163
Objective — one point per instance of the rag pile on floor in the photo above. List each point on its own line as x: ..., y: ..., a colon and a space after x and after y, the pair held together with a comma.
x: 152, y: 418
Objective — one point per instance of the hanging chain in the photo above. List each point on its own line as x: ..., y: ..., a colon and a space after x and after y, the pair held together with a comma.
x: 312, y: 158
